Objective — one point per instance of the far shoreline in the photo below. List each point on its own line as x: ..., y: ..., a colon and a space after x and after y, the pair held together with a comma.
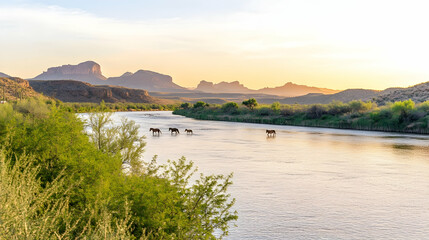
x: 301, y: 125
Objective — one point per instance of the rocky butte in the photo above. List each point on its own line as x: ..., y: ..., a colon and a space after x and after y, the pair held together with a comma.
x: 87, y: 72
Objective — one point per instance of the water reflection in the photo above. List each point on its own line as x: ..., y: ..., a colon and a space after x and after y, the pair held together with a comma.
x: 306, y: 183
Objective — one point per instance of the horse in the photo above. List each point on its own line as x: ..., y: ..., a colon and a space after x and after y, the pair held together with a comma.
x: 189, y: 131
x: 271, y: 132
x: 174, y: 130
x: 155, y: 130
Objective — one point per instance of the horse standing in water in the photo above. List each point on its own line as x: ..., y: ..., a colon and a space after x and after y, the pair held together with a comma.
x: 189, y: 131
x: 174, y: 130
x: 271, y: 133
x: 155, y: 130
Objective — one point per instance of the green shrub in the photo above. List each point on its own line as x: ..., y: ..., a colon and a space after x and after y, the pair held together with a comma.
x: 230, y: 107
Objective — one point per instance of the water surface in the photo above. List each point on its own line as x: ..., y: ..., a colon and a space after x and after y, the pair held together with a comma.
x: 306, y: 183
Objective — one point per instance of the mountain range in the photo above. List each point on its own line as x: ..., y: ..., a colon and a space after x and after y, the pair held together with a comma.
x: 287, y: 90
x: 90, y: 72
x: 134, y: 87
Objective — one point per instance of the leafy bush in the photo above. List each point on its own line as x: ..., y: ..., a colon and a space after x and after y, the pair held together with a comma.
x: 185, y: 105
x: 275, y: 106
x: 230, y: 107
x: 200, y: 104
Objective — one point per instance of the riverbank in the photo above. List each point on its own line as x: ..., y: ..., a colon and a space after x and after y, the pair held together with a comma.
x: 402, y: 117
x: 116, y: 107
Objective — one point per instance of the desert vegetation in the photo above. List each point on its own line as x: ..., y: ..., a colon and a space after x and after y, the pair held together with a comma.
x: 400, y: 116
x: 58, y: 181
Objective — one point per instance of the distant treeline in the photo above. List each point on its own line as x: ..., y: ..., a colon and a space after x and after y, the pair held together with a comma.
x: 401, y: 116
x: 117, y: 107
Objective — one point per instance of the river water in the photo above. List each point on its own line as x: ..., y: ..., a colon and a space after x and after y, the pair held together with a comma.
x: 306, y: 183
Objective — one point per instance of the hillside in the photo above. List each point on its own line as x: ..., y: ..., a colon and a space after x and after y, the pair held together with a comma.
x: 75, y: 91
x: 343, y: 96
x: 3, y: 75
x: 15, y: 88
x: 418, y: 93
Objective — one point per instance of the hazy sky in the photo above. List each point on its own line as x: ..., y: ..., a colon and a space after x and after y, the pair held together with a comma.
x: 326, y: 43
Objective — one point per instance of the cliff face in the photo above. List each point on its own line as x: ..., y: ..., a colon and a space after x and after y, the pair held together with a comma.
x: 75, y: 91
x: 87, y: 71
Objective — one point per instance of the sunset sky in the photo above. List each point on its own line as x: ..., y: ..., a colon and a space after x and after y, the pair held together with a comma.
x: 261, y: 43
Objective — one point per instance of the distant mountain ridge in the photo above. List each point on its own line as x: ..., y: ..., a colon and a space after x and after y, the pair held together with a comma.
x: 291, y: 90
x: 288, y: 90
x: 90, y: 72
x: 222, y: 87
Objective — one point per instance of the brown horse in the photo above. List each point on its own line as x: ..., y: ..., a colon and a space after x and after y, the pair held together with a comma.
x: 189, y: 131
x: 174, y: 130
x: 155, y: 130
x: 271, y: 132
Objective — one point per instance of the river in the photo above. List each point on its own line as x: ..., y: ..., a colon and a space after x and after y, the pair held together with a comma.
x: 306, y: 183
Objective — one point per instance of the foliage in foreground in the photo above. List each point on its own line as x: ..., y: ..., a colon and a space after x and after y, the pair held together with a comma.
x: 94, y: 185
x: 402, y: 116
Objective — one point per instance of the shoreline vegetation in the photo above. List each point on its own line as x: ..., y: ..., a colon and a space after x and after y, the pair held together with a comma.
x: 65, y: 178
x: 401, y: 116
x: 116, y: 107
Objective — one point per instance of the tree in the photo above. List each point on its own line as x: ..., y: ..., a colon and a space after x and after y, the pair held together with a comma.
x: 200, y: 104
x: 185, y: 105
x: 230, y: 107
x: 123, y: 139
x: 250, y: 103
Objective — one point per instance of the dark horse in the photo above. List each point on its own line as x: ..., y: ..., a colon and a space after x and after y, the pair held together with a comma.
x: 189, y: 131
x: 155, y: 130
x: 271, y: 132
x: 174, y: 130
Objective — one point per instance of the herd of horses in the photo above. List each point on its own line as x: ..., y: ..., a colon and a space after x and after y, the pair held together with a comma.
x: 172, y: 130
x: 157, y: 131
